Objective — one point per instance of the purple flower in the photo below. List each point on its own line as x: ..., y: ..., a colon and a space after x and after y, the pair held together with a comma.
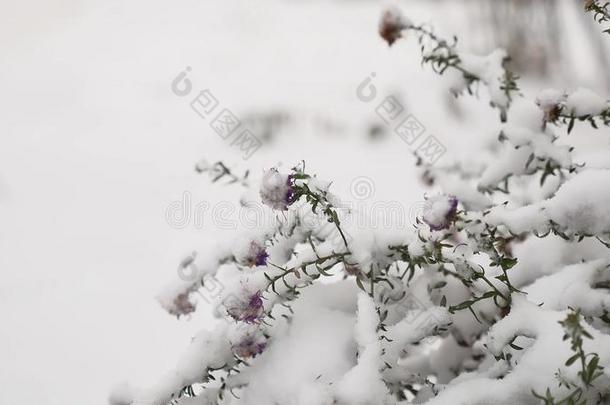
x: 250, y: 252
x: 249, y: 348
x: 250, y: 310
x: 254, y: 311
x: 277, y: 190
x: 249, y: 342
x: 261, y: 258
x: 256, y: 300
x: 440, y: 212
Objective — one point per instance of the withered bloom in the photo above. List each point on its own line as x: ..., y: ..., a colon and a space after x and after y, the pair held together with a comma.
x: 392, y: 24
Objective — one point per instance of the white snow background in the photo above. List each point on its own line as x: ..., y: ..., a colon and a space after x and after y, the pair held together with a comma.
x: 94, y: 146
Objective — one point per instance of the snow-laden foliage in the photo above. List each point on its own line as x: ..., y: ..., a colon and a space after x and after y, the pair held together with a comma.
x: 498, y: 295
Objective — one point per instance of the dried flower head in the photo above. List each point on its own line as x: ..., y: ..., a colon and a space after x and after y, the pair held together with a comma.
x: 391, y: 25
x: 352, y: 269
x: 550, y: 102
x: 182, y: 305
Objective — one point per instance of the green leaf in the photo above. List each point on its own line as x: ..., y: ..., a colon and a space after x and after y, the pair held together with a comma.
x: 571, y: 125
x: 507, y: 262
x: 591, y: 368
x: 461, y: 306
x: 488, y: 294
x: 572, y: 359
x: 359, y: 283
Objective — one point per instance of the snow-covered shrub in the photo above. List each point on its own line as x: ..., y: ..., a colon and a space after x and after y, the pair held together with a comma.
x: 498, y: 295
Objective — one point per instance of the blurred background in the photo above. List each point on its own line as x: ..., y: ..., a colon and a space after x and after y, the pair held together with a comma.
x: 95, y: 146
